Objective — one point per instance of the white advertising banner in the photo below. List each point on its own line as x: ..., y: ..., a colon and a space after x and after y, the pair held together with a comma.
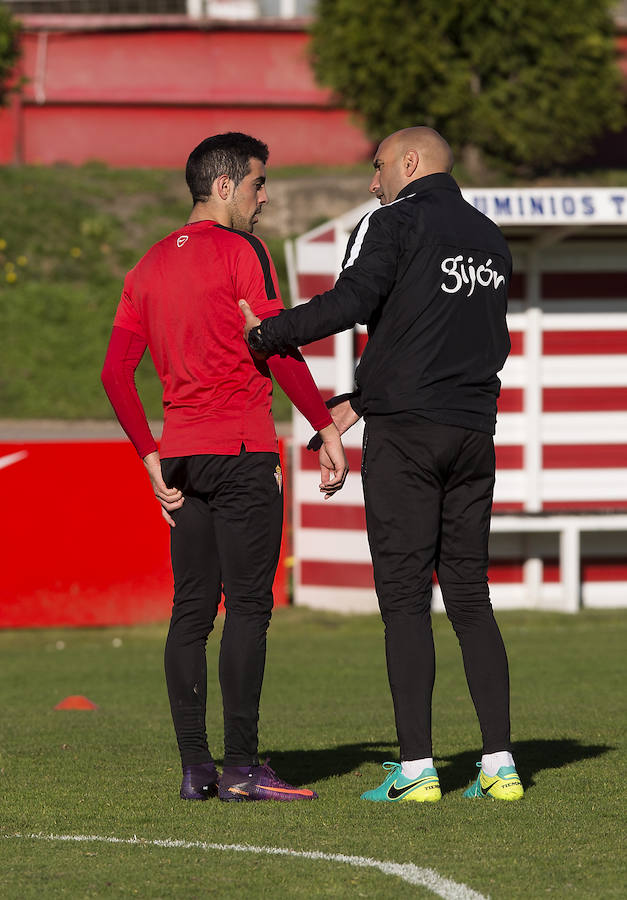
x: 550, y: 205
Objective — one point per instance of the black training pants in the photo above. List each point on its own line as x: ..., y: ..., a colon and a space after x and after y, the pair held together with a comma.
x: 227, y: 536
x: 428, y: 495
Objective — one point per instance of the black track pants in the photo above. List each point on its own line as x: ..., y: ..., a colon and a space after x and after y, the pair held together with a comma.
x: 227, y: 534
x: 428, y: 494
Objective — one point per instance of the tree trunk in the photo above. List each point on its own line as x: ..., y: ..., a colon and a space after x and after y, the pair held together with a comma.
x: 473, y: 162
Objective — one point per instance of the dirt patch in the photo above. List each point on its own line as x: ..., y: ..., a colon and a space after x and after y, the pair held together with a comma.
x: 298, y: 204
x: 295, y: 205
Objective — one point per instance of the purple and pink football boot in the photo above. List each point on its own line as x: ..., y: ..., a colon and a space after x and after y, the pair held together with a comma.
x: 241, y: 783
x: 199, y: 782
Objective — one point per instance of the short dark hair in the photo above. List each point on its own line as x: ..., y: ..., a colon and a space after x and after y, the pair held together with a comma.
x: 222, y: 154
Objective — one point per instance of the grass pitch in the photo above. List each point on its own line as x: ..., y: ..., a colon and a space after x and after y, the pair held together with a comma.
x: 326, y: 721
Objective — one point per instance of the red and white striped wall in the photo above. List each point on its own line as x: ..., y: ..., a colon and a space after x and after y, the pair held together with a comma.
x: 560, y: 525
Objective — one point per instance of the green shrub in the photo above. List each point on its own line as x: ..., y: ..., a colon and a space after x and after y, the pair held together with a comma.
x: 525, y: 85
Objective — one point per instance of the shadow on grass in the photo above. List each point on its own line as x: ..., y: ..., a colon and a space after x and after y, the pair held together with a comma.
x: 456, y: 771
x: 530, y: 756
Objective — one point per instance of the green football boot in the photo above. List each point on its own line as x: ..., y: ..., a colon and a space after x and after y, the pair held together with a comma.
x: 397, y: 789
x: 505, y: 785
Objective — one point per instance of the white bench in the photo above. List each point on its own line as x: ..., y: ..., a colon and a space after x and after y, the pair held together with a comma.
x: 569, y: 527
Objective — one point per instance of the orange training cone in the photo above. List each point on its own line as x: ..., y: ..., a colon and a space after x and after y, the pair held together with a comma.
x: 76, y: 701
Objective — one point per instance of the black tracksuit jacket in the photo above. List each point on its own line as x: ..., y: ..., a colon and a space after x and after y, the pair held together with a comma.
x: 428, y: 274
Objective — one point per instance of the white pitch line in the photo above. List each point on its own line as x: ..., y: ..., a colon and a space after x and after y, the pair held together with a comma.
x: 428, y: 878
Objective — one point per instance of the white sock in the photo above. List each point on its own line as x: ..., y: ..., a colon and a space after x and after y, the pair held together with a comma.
x: 412, y: 768
x: 492, y: 762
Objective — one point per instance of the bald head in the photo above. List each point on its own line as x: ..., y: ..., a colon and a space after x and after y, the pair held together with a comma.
x: 434, y: 153
x: 407, y: 155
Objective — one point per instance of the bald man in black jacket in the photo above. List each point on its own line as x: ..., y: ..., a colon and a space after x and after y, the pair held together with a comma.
x: 428, y: 274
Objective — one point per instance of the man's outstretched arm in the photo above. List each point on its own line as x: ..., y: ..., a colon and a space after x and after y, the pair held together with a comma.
x: 364, y: 284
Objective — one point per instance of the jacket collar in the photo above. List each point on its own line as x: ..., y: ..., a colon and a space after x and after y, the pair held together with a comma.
x: 428, y: 183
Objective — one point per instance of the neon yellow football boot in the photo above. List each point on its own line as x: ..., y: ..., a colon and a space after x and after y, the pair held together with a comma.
x: 505, y: 785
x: 398, y: 789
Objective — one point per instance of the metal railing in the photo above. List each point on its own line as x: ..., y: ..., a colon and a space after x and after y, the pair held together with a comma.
x: 236, y: 10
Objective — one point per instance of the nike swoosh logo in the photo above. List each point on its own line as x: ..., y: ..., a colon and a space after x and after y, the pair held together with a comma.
x: 275, y: 790
x: 301, y: 793
x: 12, y: 458
x: 486, y: 788
x: 394, y: 793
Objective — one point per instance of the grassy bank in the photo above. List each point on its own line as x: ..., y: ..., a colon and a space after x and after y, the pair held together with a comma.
x: 67, y: 238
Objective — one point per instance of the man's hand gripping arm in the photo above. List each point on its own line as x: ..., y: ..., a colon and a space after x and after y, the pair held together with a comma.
x: 292, y: 373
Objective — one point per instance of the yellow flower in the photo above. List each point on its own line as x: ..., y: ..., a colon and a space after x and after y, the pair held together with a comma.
x: 9, y: 266
x: 3, y: 244
x: 11, y: 277
x: 22, y: 260
x: 76, y: 252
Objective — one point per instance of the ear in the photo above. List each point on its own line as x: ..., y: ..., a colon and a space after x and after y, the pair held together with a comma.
x: 410, y: 162
x: 223, y: 186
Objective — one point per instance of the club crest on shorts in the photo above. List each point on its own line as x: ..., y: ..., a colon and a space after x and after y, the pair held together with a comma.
x: 278, y: 477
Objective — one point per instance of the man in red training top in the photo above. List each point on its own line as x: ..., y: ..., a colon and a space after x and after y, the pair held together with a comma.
x: 217, y: 476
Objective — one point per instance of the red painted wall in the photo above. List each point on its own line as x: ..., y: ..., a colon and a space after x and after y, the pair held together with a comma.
x: 142, y: 91
x: 145, y: 97
x: 83, y: 541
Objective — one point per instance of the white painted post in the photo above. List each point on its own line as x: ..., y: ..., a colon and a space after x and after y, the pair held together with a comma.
x: 195, y: 9
x: 287, y: 9
x: 533, y: 387
x: 345, y: 340
x: 344, y: 362
x: 292, y: 274
x: 570, y: 567
x: 532, y: 576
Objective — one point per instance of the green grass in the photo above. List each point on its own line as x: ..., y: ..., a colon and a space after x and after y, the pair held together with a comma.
x: 67, y: 238
x: 326, y: 721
